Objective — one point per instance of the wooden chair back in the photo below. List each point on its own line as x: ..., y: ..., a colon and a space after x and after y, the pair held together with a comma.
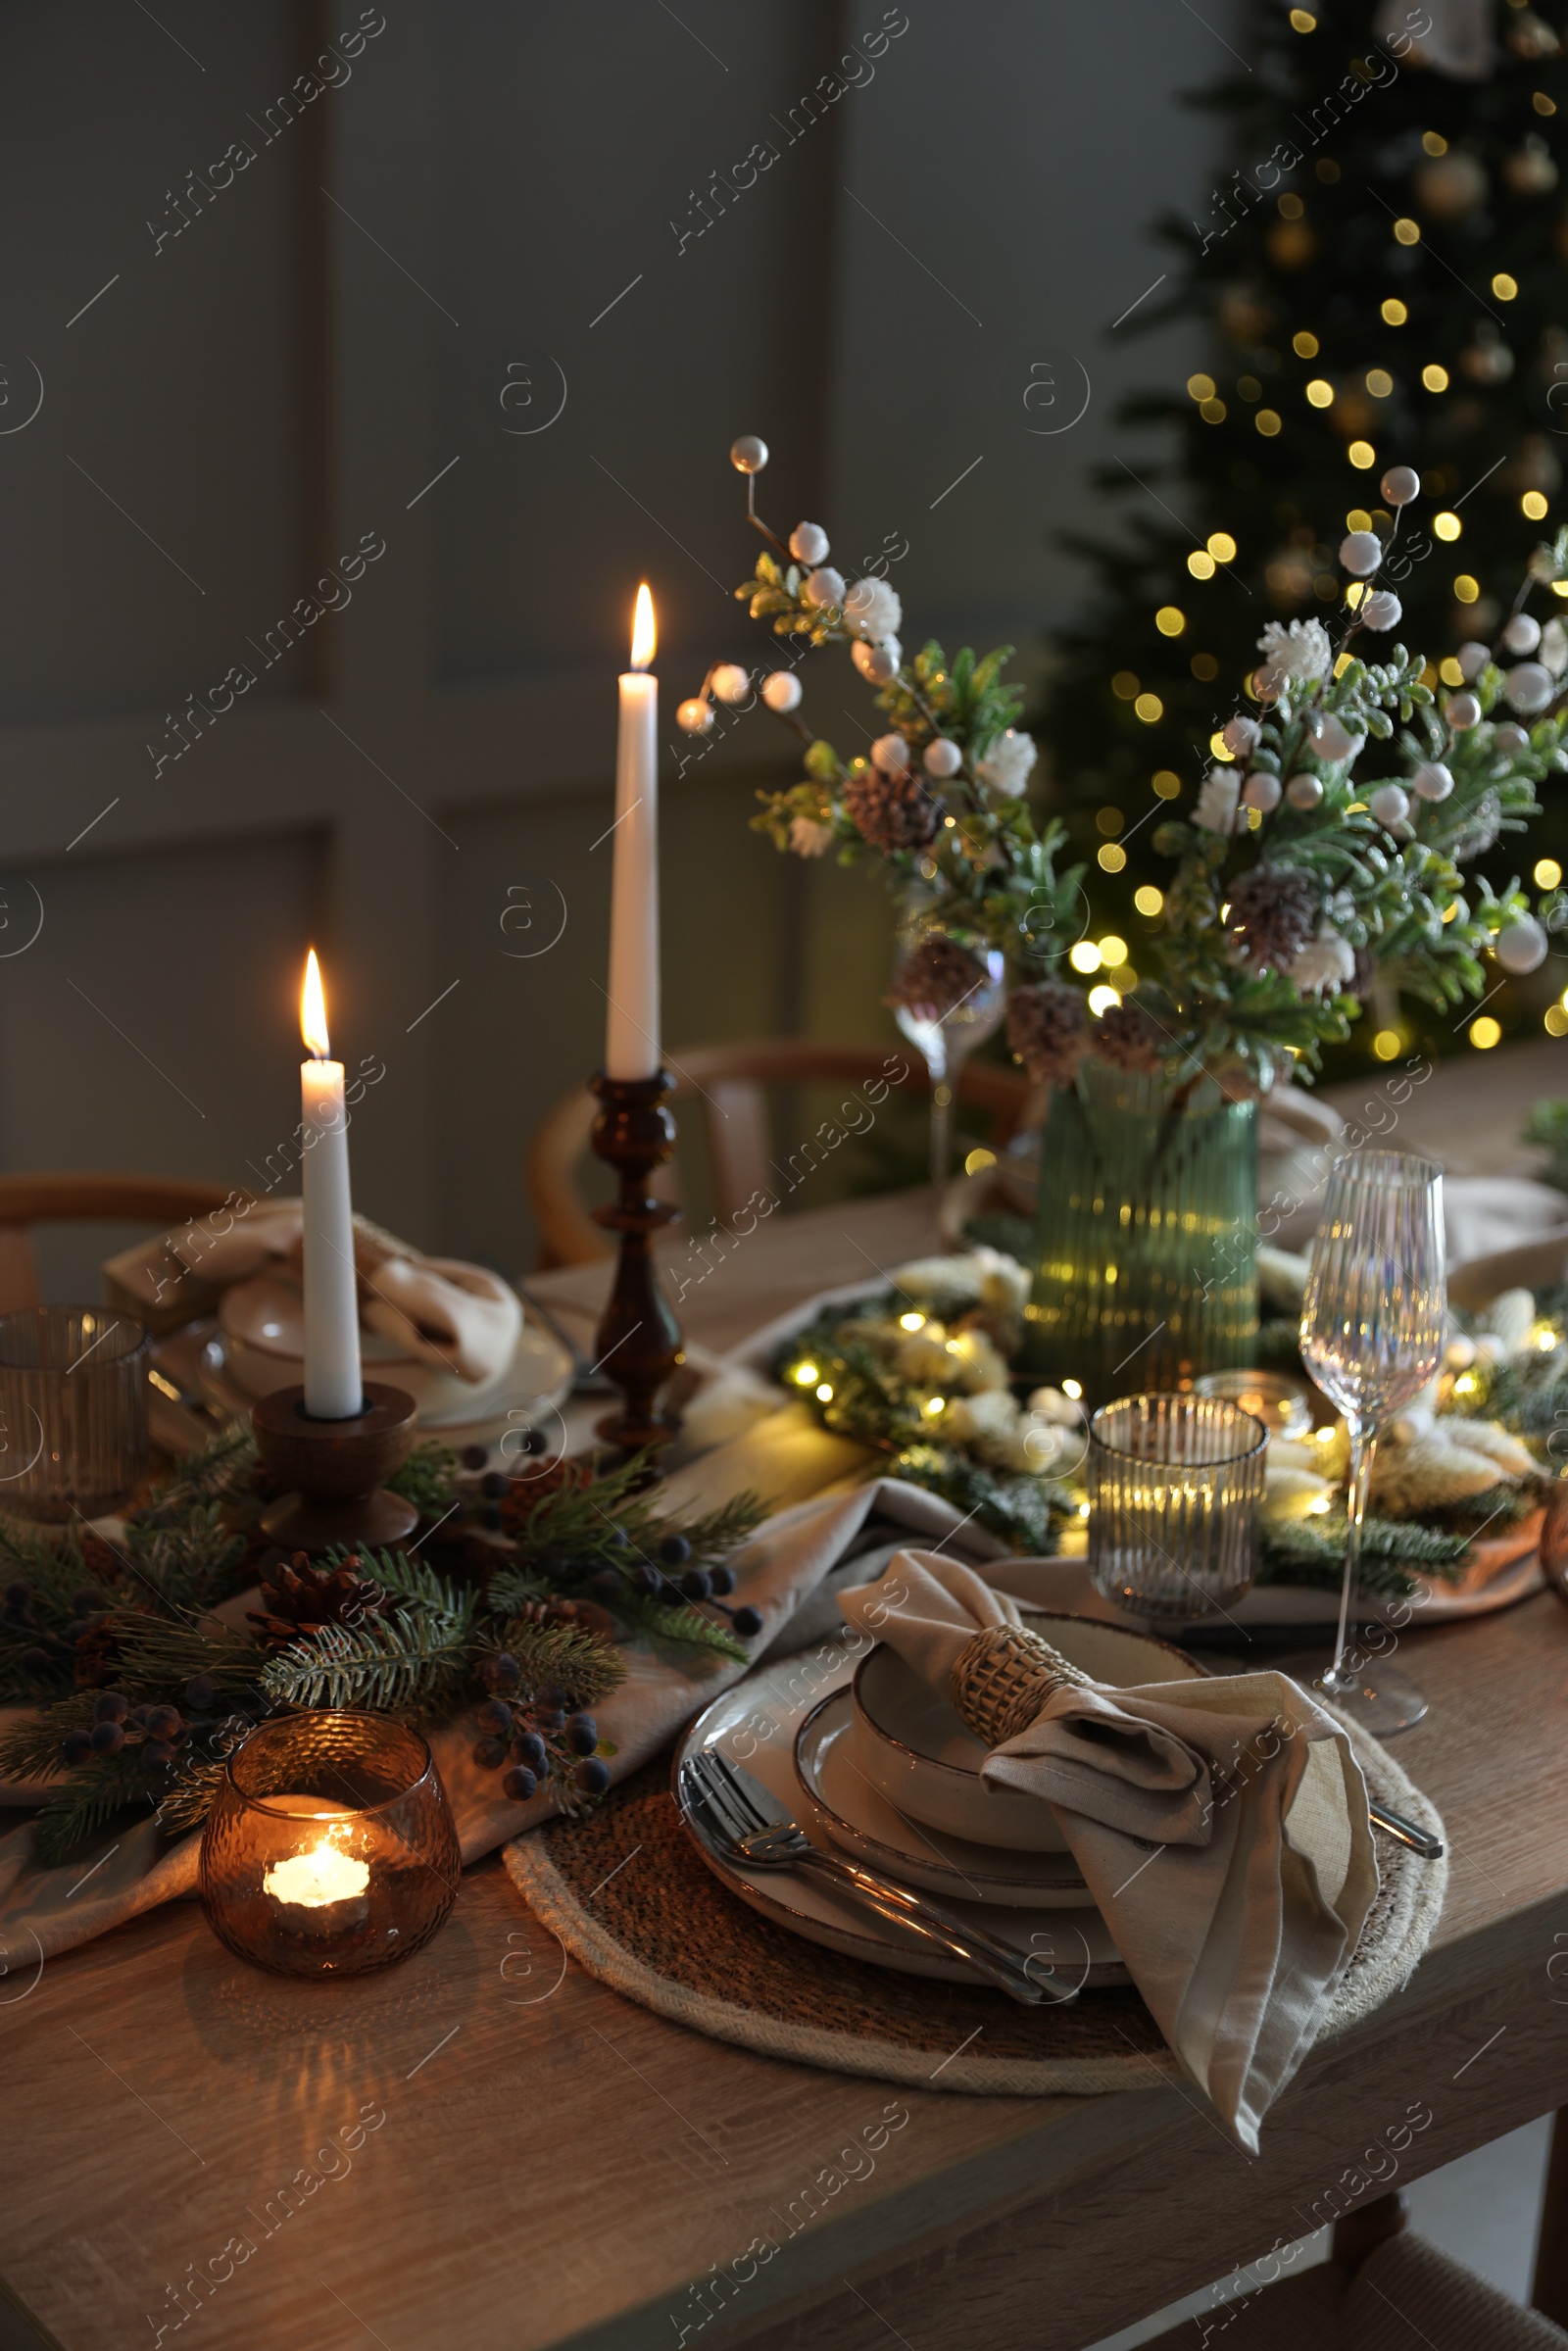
x: 26, y: 1201
x: 730, y: 1085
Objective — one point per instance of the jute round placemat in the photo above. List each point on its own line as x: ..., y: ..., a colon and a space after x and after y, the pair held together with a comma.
x: 630, y: 1899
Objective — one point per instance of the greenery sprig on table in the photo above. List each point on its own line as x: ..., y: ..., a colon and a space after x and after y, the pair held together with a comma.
x: 531, y: 1586
x: 1298, y: 880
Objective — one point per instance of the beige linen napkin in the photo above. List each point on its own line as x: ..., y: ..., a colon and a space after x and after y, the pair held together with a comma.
x: 1221, y: 1826
x: 460, y: 1320
x: 788, y: 1561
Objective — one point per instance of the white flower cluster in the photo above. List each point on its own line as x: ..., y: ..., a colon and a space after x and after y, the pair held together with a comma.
x: 945, y: 1284
x: 1005, y: 770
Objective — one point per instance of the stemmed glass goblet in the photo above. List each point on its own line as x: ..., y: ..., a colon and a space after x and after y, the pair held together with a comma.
x: 1372, y: 1330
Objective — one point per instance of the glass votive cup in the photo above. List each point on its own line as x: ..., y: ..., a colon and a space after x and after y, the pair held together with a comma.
x: 73, y: 1410
x: 1175, y: 1485
x: 1281, y: 1403
x: 330, y: 1849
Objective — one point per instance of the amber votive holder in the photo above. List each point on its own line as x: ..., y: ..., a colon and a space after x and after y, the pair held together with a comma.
x: 330, y: 1848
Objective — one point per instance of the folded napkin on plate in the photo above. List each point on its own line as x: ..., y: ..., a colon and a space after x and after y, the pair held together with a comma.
x: 781, y: 1572
x: 466, y: 1322
x: 1221, y: 1826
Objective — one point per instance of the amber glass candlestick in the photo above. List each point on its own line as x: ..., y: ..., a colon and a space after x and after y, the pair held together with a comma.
x: 638, y: 1345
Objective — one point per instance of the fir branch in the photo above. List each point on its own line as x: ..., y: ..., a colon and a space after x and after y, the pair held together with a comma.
x: 193, y: 1787
x: 30, y: 1748
x: 399, y: 1663
x: 89, y: 1798
x: 409, y: 1579
x: 566, y: 1657
x: 658, y: 1621
x: 1393, y: 1554
x: 427, y: 1479
x: 219, y: 1472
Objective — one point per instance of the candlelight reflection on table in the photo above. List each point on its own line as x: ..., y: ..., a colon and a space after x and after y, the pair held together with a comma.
x: 330, y: 1849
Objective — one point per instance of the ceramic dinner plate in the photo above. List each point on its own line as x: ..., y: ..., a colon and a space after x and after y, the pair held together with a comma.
x: 860, y: 1819
x: 755, y: 1723
x: 533, y: 1388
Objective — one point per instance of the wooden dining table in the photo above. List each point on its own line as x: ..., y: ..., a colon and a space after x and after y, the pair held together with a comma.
x: 487, y: 2149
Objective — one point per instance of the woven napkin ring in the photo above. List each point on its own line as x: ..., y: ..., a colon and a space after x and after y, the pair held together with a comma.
x: 1001, y: 1680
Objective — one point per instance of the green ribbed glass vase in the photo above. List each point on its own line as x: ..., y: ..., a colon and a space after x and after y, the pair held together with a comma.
x: 1145, y: 1271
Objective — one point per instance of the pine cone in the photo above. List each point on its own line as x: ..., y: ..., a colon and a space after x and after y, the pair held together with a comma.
x: 1128, y: 1039
x: 298, y: 1597
x: 1273, y: 915
x: 892, y: 812
x: 100, y: 1559
x: 1048, y: 1028
x: 933, y: 979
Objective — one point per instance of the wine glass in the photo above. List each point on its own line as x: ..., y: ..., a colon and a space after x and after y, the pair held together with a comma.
x: 1372, y: 1329
x: 961, y: 1003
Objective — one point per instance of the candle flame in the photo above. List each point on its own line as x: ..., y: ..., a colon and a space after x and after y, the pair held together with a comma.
x: 313, y: 1012
x: 643, y: 635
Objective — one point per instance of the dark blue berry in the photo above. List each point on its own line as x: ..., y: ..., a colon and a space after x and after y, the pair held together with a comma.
x: 493, y: 1485
x: 644, y: 1578
x: 111, y: 1706
x: 695, y: 1584
x: 532, y: 1441
x: 201, y: 1694
x: 106, y: 1739
x: 496, y: 1715
x: 489, y: 1755
x: 520, y: 1783
x: 76, y: 1746
x: 85, y: 1602
x: 530, y: 1748
x: 163, y: 1722
x: 34, y: 1660
x: 674, y: 1551
x: 548, y: 1718
x: 79, y: 1629
x: 583, y: 1735
x: 609, y: 1583
x: 747, y: 1622
x: 593, y: 1776
x: 721, y: 1579
x: 474, y: 1456
x: 20, y: 1595
x: 503, y: 1670
x: 137, y: 1719
x: 554, y: 1695
x: 159, y: 1751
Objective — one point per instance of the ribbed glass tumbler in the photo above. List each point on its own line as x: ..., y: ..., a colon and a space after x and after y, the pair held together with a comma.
x: 1175, y: 1486
x: 330, y: 1849
x: 73, y: 1412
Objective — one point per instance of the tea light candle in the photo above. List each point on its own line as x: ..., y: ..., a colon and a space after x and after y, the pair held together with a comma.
x: 323, y: 1892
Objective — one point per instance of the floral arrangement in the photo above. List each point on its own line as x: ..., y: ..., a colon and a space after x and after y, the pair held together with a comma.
x: 530, y: 1589
x: 1297, y: 879
x: 918, y: 1371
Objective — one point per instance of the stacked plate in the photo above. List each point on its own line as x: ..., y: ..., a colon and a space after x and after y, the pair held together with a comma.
x: 875, y: 1764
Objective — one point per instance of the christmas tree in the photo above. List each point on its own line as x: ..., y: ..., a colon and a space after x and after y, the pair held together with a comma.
x: 1380, y: 276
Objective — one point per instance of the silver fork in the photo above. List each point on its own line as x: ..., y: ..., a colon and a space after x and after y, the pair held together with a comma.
x: 746, y: 1822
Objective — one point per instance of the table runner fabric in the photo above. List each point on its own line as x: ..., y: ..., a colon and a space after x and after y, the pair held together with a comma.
x: 627, y: 1897
x: 788, y: 1570
x: 1240, y: 1925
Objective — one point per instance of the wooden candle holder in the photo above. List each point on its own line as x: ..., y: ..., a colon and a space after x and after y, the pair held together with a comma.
x: 337, y: 1470
x: 638, y: 1343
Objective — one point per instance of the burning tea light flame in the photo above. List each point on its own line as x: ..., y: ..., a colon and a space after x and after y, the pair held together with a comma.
x: 317, y: 1880
x: 313, y: 1012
